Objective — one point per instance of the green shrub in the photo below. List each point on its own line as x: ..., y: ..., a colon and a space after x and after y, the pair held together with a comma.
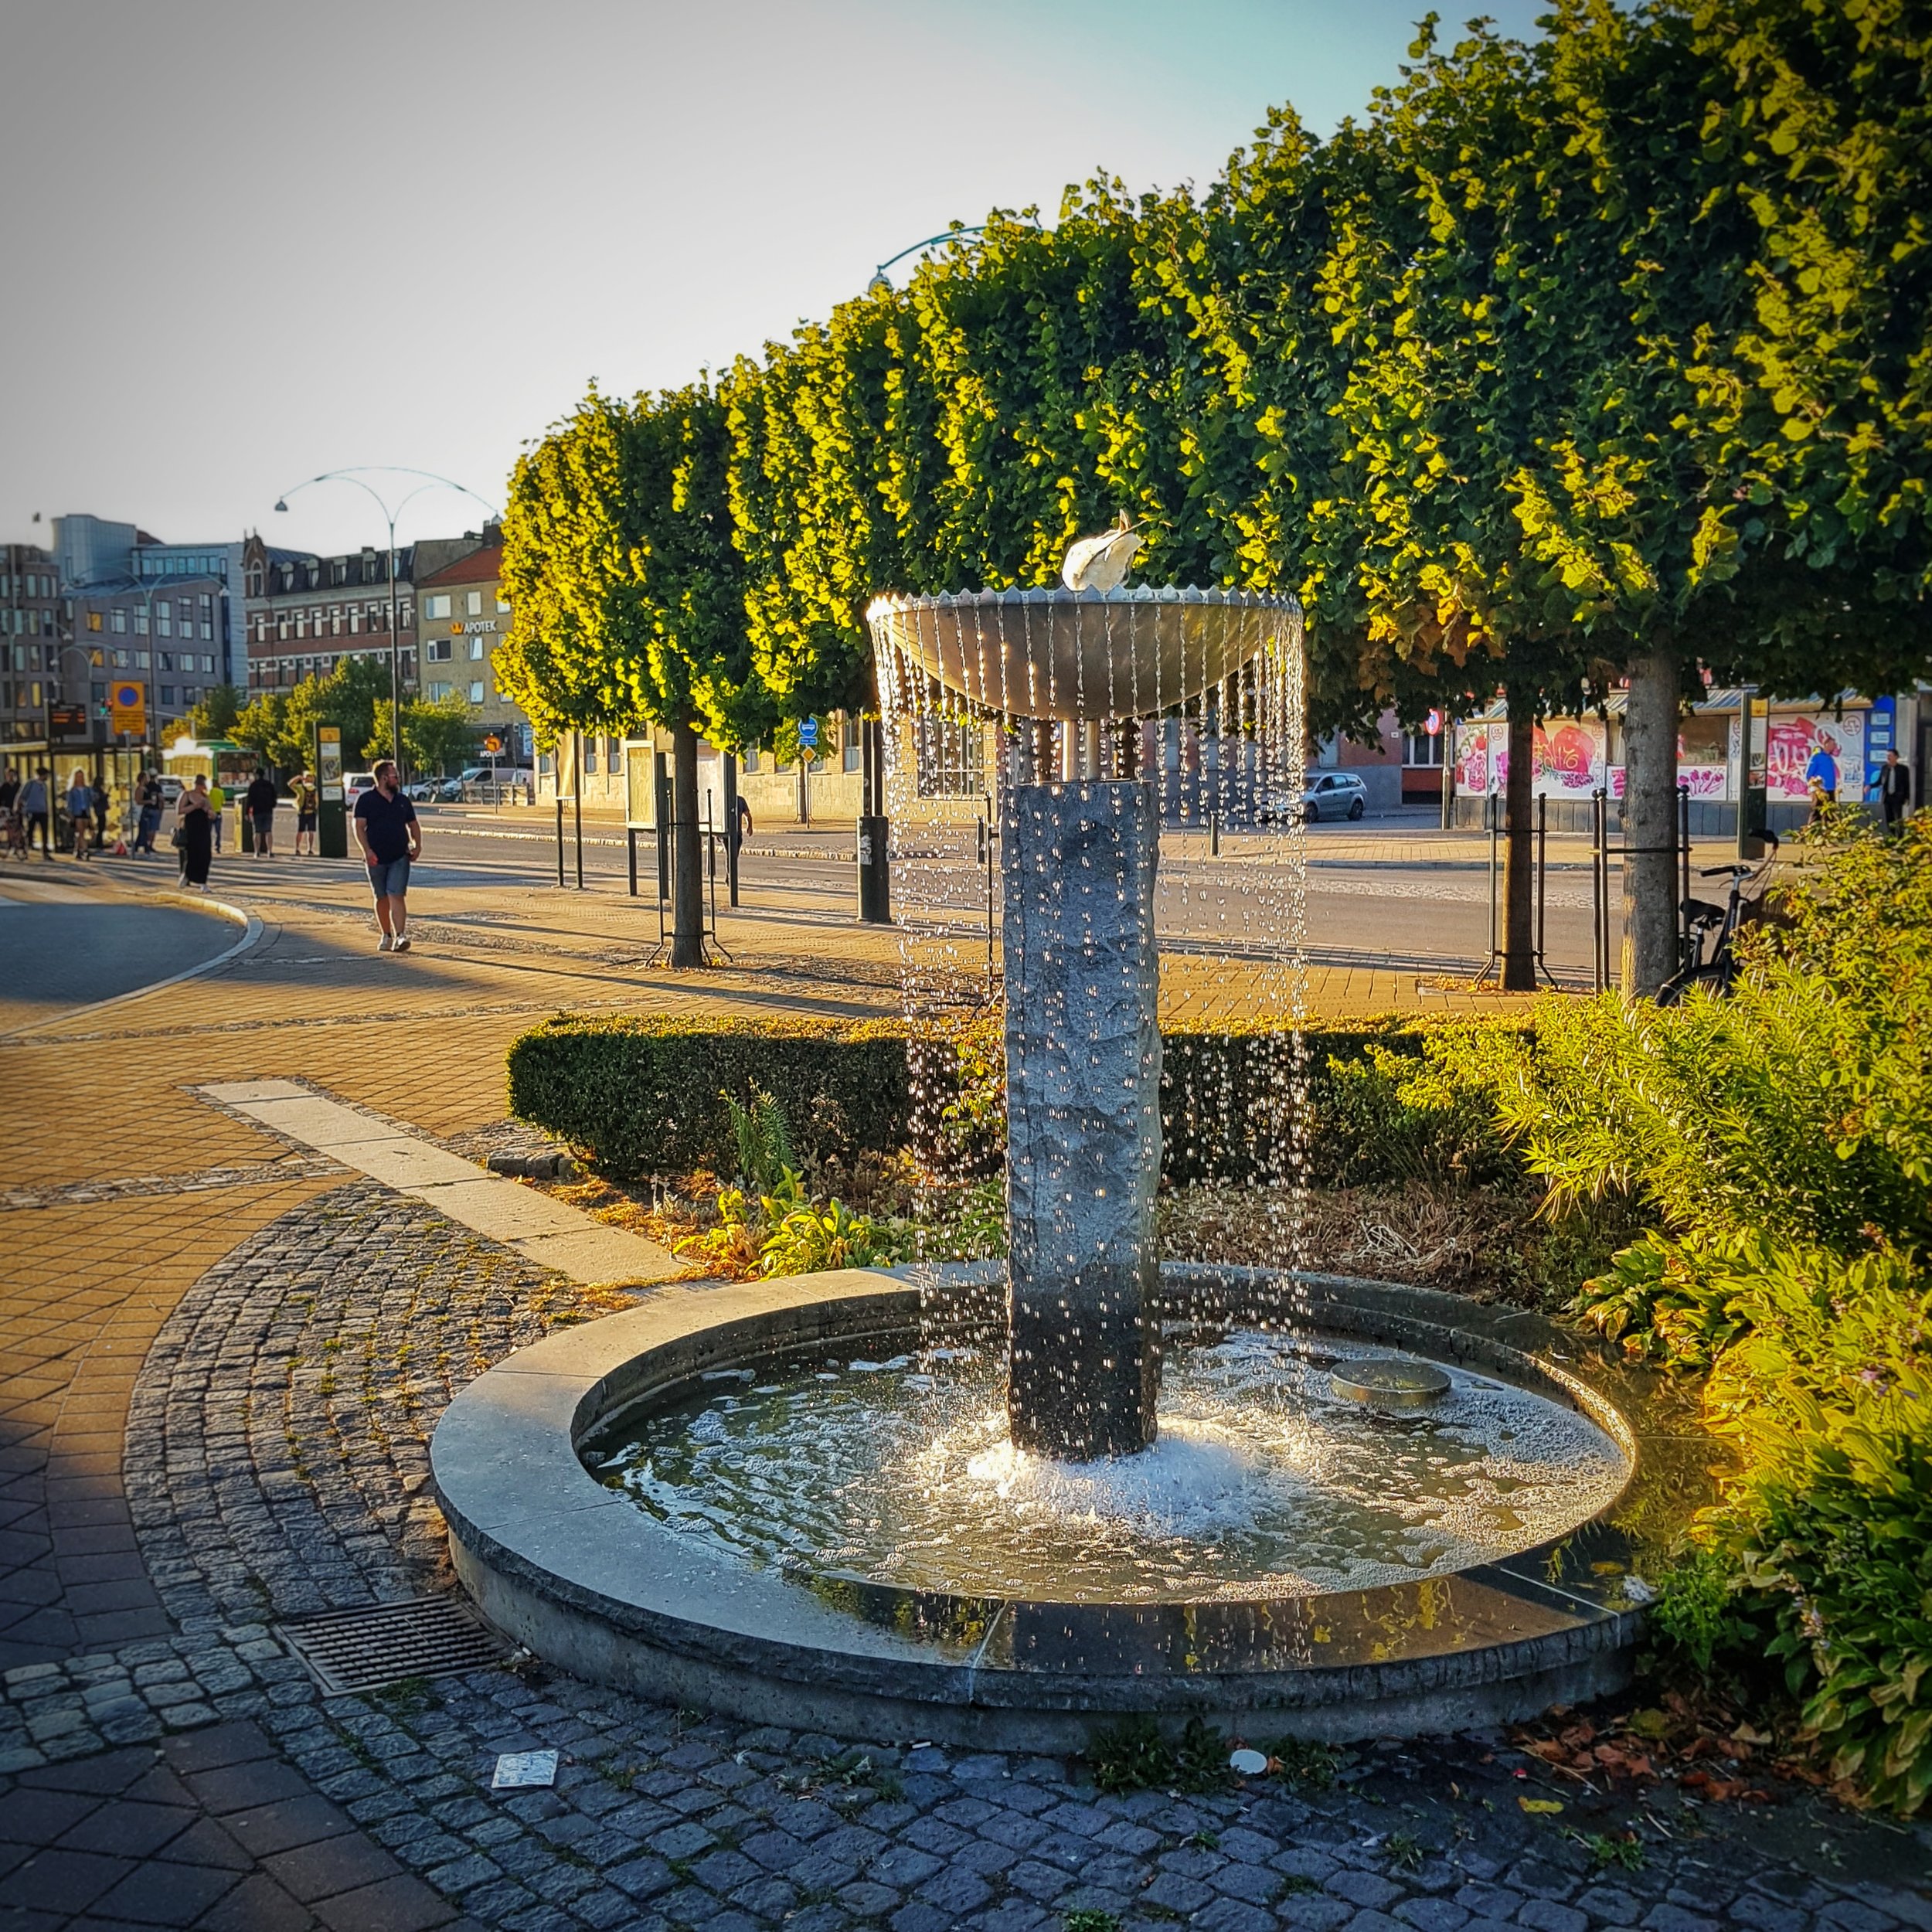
x: 1784, y: 1136
x: 655, y: 1095
x: 647, y: 1096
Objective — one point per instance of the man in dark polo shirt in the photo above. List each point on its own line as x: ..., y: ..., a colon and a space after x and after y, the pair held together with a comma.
x: 387, y: 830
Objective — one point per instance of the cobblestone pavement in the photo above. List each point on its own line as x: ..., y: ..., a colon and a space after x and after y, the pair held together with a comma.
x: 277, y: 1454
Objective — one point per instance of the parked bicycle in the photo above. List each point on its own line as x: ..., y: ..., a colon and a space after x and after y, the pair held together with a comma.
x: 1709, y: 958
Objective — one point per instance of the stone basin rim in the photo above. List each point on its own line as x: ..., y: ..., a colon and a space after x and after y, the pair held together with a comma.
x: 587, y: 1580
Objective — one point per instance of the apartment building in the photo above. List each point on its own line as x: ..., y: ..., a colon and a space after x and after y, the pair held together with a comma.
x: 32, y: 636
x: 465, y: 618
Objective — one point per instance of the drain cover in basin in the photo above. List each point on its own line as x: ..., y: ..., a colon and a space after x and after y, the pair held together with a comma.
x: 360, y: 1650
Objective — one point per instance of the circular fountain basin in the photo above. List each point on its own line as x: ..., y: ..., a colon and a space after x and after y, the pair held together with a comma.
x: 605, y: 1508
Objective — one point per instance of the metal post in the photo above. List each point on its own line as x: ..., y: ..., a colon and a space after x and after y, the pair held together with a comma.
x: 577, y: 813
x: 631, y: 839
x: 731, y: 824
x: 1542, y: 884
x: 1490, y: 802
x: 559, y: 827
x: 1684, y: 843
x: 395, y: 662
x: 1214, y: 833
x: 661, y: 805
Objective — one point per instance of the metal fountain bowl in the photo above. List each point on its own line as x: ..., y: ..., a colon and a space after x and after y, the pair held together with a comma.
x: 1084, y: 654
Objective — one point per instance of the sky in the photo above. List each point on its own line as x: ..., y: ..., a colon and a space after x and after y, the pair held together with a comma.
x: 244, y: 242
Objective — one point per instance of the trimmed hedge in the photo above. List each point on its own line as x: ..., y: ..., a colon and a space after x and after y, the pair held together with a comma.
x: 643, y: 1096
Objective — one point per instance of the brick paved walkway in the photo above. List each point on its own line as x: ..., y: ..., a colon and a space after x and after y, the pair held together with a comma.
x: 222, y: 1360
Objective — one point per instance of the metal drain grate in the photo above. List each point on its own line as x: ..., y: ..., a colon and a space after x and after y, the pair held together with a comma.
x: 362, y: 1650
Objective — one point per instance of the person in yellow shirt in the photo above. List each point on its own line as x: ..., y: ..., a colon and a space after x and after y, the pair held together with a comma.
x: 217, y: 805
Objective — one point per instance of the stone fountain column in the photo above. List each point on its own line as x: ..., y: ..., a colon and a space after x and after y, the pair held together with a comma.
x: 1083, y: 1110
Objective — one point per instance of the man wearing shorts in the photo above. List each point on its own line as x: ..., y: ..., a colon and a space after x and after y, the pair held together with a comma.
x: 306, y: 798
x: 259, y: 802
x: 387, y: 830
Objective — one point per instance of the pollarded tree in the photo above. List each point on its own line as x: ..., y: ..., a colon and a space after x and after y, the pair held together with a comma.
x: 629, y: 597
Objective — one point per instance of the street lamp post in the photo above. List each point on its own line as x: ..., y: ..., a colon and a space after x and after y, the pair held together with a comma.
x: 390, y: 515
x: 881, y: 280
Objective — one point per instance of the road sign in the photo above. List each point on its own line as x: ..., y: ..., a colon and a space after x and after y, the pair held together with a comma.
x: 1433, y: 723
x: 808, y: 732
x: 127, y: 708
x: 492, y: 745
x: 68, y: 722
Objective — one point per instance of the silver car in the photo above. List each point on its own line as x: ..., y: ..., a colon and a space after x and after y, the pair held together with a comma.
x: 1333, y: 794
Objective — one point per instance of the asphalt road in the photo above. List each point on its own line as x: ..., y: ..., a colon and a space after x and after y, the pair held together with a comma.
x: 1422, y: 913
x: 54, y: 958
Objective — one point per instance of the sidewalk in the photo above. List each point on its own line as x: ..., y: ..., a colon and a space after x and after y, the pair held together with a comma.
x: 225, y: 1343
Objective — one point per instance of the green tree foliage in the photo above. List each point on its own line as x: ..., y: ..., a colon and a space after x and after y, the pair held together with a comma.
x: 438, y: 733
x: 629, y: 596
x: 280, y: 725
x: 214, y: 713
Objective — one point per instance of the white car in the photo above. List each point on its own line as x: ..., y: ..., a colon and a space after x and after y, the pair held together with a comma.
x: 354, y: 784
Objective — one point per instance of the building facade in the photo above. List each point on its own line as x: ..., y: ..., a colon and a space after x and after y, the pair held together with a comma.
x: 465, y: 618
x: 32, y: 636
x: 161, y: 614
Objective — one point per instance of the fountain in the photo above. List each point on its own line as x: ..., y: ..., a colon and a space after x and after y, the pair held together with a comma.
x: 993, y: 1503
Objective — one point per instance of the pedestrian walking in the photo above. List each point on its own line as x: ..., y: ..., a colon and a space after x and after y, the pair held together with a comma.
x: 259, y: 802
x: 194, y: 833
x: 102, y: 801
x: 36, y: 802
x: 1894, y: 785
x: 390, y: 836
x: 11, y: 828
x: 744, y: 818
x: 80, y: 812
x: 217, y: 808
x: 308, y: 801
x: 151, y: 802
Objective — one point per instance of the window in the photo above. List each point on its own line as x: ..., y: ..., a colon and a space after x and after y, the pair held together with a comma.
x: 354, y: 620
x: 1422, y: 748
x: 502, y: 603
x: 436, y: 607
x: 476, y: 650
x: 406, y: 613
x: 437, y: 690
x: 376, y: 617
x: 476, y: 691
x: 94, y: 619
x: 473, y: 604
x: 141, y: 660
x: 334, y: 620
x: 100, y: 693
x: 120, y: 621
x: 749, y: 761
x: 168, y: 694
x: 437, y: 650
x: 208, y: 663
x: 255, y: 581
x: 167, y: 660
x: 164, y: 620
x: 120, y: 661
x: 590, y: 755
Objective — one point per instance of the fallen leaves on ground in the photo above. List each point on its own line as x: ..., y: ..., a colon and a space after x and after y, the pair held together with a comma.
x: 1703, y: 1744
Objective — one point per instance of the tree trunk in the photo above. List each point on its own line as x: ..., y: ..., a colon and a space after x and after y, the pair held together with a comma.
x: 687, y: 860
x: 1650, y: 824
x: 1518, y: 850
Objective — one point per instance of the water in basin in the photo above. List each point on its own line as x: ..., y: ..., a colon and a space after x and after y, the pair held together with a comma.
x: 1264, y: 1481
